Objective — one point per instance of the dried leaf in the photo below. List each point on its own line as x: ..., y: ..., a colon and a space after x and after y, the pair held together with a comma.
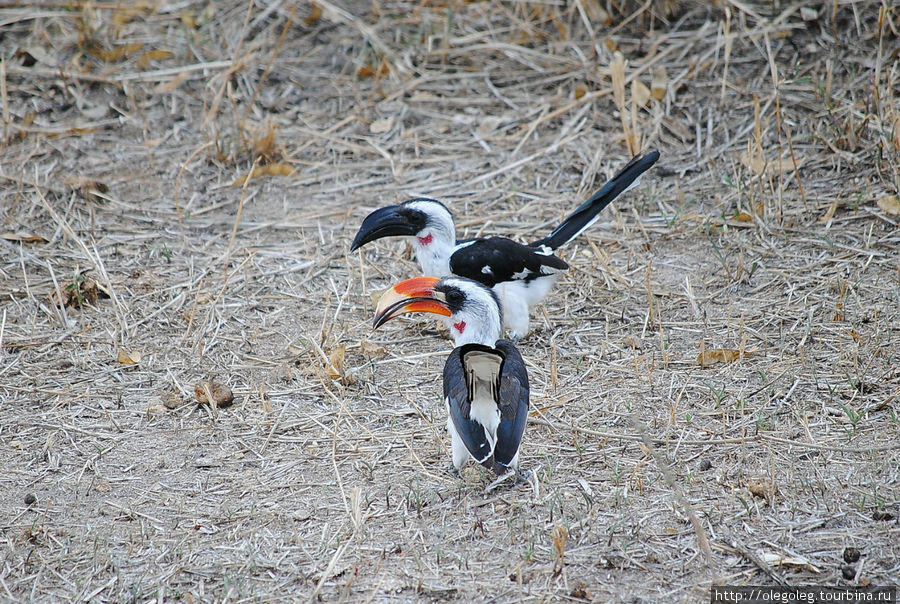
x: 208, y: 392
x: 659, y: 83
x: 375, y: 295
x: 369, y: 71
x: 580, y: 91
x: 829, y: 214
x: 123, y: 14
x: 371, y: 350
x: 896, y: 128
x: 719, y: 355
x: 853, y: 334
x: 755, y: 162
x: 116, y: 53
x: 262, y: 142
x: 776, y: 559
x: 382, y: 125
x: 129, y: 358
x: 335, y: 366
x: 276, y: 169
x: 489, y: 124
x: 890, y: 204
x: 640, y: 94
x: 743, y: 217
x: 315, y: 13
x: 144, y: 59
x: 596, y: 13
x: 71, y: 132
x: 188, y: 19
x: 559, y: 536
x: 23, y: 237
x: 87, y: 188
x: 172, y: 85
x: 808, y: 14
x: 424, y: 95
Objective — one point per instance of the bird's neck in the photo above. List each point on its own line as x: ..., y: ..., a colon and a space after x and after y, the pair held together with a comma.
x: 473, y: 332
x: 433, y: 248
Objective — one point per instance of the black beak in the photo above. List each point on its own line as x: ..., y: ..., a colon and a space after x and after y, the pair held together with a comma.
x: 388, y: 221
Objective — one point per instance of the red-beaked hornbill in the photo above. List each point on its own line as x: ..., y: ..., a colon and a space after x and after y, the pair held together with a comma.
x: 521, y: 275
x: 485, y: 382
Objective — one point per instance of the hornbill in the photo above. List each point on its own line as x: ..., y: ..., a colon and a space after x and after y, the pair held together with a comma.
x: 485, y: 382
x: 521, y: 275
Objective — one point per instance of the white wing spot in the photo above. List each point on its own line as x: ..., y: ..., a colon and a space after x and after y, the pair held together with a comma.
x: 544, y: 251
x: 460, y: 246
x: 487, y: 270
x: 521, y: 274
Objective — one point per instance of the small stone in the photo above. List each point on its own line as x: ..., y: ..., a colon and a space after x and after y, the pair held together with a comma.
x: 102, y: 486
x: 705, y: 464
x: 881, y: 515
x: 221, y: 394
x: 284, y: 372
x: 851, y: 555
x: 30, y: 498
x: 170, y: 400
x: 580, y: 592
x: 849, y: 572
x: 761, y: 487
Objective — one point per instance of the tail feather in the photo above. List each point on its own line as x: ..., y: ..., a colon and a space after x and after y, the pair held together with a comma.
x: 587, y: 213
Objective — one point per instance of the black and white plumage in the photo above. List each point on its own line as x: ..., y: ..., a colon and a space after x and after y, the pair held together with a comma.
x: 485, y: 381
x: 521, y: 275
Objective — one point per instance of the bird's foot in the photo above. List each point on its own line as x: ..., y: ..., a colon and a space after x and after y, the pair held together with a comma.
x: 529, y: 476
x: 453, y: 471
x: 511, y: 473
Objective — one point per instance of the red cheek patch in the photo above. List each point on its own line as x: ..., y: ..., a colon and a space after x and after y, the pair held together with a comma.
x: 427, y: 239
x: 460, y: 327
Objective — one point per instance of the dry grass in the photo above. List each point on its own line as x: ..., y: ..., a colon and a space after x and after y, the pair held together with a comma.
x: 760, y: 234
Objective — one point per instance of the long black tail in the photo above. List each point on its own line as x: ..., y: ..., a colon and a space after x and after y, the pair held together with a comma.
x: 587, y: 213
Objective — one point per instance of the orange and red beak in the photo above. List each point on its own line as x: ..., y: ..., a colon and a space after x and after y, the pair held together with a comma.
x: 413, y: 295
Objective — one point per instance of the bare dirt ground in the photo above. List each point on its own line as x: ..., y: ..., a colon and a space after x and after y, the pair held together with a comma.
x: 137, y: 262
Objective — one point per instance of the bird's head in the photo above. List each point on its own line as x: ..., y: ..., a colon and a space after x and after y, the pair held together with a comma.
x: 427, y: 220
x: 472, y: 311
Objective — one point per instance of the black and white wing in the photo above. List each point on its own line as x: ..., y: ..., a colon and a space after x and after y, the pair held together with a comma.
x: 494, y: 260
x: 514, y: 395
x: 458, y: 393
x: 474, y: 372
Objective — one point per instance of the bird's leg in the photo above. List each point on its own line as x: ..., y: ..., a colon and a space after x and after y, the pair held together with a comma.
x: 529, y: 476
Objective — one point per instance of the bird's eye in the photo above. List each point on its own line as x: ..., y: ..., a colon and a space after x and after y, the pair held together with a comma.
x: 455, y: 297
